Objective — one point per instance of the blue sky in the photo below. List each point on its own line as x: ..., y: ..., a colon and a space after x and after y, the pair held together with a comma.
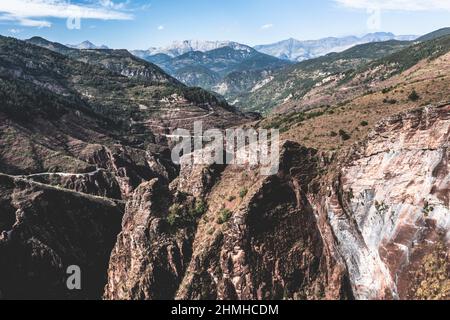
x: 139, y: 24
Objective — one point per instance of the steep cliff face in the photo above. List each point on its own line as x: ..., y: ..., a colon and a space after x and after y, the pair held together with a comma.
x: 261, y: 239
x: 154, y: 248
x: 258, y: 237
x: 44, y: 230
x: 147, y: 261
x: 390, y: 208
x: 372, y: 224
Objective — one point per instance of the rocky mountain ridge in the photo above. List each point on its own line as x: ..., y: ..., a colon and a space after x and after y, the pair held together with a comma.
x: 344, y: 75
x: 228, y: 71
x: 296, y: 50
x: 86, y: 45
x: 178, y: 48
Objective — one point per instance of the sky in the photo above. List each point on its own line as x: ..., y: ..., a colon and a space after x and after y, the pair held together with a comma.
x: 140, y: 24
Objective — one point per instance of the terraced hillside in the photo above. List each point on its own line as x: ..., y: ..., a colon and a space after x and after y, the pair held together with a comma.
x: 40, y: 84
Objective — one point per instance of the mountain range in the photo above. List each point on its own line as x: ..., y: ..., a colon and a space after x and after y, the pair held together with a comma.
x: 252, y: 78
x: 86, y: 45
x: 230, y: 69
x: 177, y: 48
x: 294, y: 85
x: 290, y: 49
x: 256, y: 81
x: 295, y: 50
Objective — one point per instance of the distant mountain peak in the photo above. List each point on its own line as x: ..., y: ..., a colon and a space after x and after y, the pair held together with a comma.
x: 382, y: 33
x: 180, y: 47
x: 87, y: 45
x: 37, y: 38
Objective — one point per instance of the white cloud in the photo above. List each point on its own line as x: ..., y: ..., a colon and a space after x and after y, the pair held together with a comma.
x: 267, y: 26
x: 401, y: 5
x: 34, y: 23
x: 160, y: 28
x: 31, y: 13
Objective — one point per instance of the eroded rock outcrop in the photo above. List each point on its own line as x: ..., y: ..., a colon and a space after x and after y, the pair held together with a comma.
x: 259, y: 238
x: 115, y: 171
x: 390, y: 208
x: 150, y: 257
x: 98, y: 183
x: 46, y: 229
x: 129, y: 166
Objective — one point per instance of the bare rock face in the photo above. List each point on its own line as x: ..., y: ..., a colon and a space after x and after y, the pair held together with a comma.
x: 154, y: 248
x: 272, y: 246
x: 130, y: 167
x: 390, y: 209
x: 98, y: 182
x: 44, y: 230
x: 267, y: 245
x: 115, y: 172
x: 196, y: 179
x: 149, y: 258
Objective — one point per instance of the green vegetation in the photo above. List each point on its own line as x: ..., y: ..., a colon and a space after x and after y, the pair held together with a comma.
x: 180, y: 216
x: 200, y: 96
x: 381, y: 208
x: 364, y: 123
x: 406, y: 58
x: 243, y: 193
x: 435, y: 34
x: 285, y: 122
x: 85, y: 80
x: 389, y: 101
x: 427, y: 209
x: 370, y: 62
x: 175, y: 216
x: 344, y: 135
x: 414, y: 96
x: 350, y: 194
x: 294, y: 82
x: 22, y: 101
x: 224, y: 216
x: 199, y: 209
